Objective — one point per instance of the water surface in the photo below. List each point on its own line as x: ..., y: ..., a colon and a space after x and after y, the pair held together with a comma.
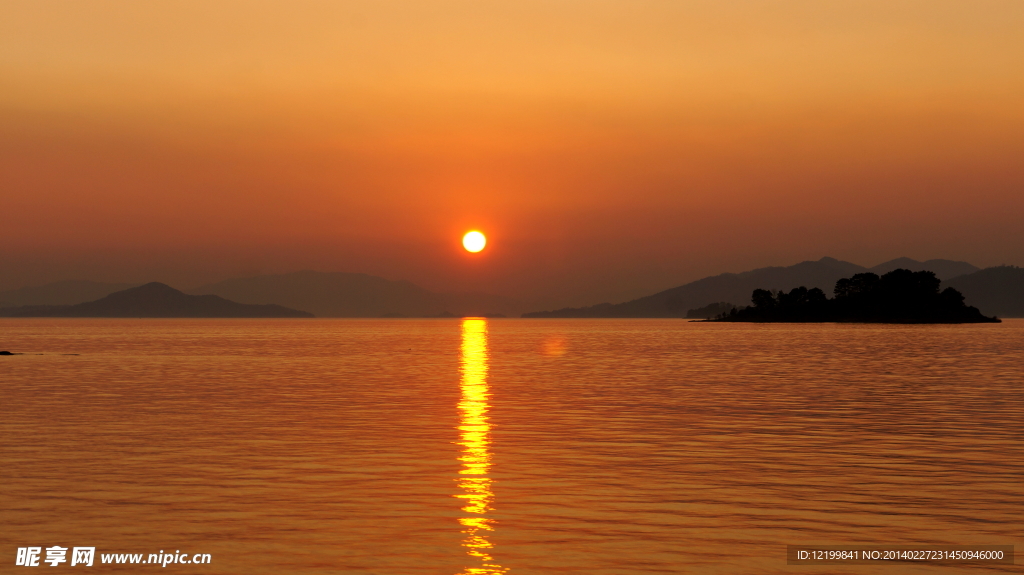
x: 518, y: 446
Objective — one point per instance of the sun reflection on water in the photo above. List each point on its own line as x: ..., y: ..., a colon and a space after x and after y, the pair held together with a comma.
x: 474, y: 437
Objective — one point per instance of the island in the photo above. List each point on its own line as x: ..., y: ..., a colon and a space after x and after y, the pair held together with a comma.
x: 900, y: 296
x: 156, y: 300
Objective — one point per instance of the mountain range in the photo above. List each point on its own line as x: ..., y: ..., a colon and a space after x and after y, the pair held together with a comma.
x: 324, y: 294
x: 995, y: 291
x: 823, y: 274
x: 154, y: 300
x: 358, y: 295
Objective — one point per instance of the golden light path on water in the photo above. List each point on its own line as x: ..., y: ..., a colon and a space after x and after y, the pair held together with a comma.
x: 474, y: 437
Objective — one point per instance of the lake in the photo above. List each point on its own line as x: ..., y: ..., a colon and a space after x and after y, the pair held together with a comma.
x: 521, y: 446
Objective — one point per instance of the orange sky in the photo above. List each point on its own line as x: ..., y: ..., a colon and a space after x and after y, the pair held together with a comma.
x: 610, y: 148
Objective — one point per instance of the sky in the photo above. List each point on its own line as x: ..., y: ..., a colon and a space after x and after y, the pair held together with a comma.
x: 608, y: 149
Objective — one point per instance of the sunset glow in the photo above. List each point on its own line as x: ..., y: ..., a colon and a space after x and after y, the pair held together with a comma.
x: 752, y: 274
x: 619, y: 150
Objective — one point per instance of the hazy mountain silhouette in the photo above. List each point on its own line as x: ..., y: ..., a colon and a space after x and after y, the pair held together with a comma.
x: 943, y: 269
x: 711, y: 310
x: 60, y: 293
x: 337, y: 294
x: 900, y: 296
x: 995, y: 291
x: 675, y: 302
x: 155, y: 300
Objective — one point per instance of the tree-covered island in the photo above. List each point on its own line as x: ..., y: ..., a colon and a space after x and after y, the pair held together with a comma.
x: 900, y: 296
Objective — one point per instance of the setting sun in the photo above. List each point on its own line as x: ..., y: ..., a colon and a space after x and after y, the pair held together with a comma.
x: 474, y: 241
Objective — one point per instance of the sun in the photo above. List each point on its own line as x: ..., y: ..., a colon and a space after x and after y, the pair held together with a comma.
x: 474, y: 241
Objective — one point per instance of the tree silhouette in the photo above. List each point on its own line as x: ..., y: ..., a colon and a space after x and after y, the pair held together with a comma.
x: 763, y: 299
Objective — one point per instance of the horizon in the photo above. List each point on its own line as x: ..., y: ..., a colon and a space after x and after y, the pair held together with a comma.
x: 540, y: 301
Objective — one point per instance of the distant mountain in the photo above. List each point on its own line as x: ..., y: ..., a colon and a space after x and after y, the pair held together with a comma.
x: 729, y: 287
x: 724, y: 287
x: 944, y: 269
x: 711, y: 310
x: 995, y: 291
x: 60, y: 293
x: 155, y: 300
x: 336, y: 294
